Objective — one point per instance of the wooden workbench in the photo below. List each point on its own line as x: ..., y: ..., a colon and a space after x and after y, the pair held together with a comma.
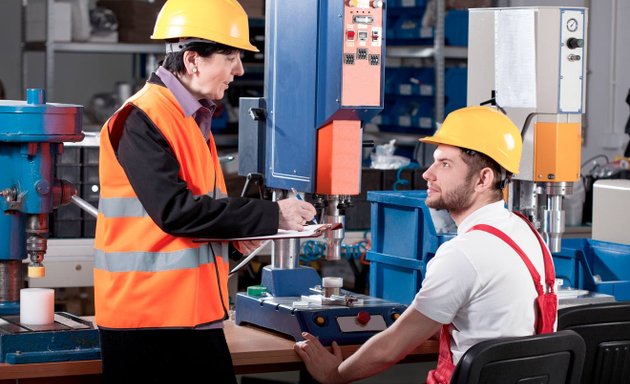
x: 253, y: 351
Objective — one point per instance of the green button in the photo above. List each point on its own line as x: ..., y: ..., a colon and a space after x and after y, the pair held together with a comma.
x: 256, y: 290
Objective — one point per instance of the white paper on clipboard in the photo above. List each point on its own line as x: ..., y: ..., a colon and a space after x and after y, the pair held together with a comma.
x: 315, y: 230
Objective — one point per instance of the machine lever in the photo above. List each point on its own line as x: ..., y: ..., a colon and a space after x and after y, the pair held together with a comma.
x: 84, y: 205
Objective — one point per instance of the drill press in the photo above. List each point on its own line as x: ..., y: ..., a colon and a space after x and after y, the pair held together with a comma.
x: 32, y: 133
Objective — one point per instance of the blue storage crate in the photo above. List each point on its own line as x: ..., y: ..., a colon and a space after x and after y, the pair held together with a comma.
x: 410, y: 81
x: 597, y: 266
x: 409, y: 27
x: 455, y: 85
x: 456, y: 27
x: 404, y: 239
x: 406, y: 3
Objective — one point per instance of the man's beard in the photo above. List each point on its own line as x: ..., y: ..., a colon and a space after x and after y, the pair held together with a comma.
x: 456, y: 200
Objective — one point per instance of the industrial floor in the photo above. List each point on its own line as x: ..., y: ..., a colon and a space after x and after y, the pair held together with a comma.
x: 398, y: 374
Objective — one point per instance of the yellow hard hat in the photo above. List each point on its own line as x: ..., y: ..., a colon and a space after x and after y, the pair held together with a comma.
x: 485, y: 130
x: 220, y: 21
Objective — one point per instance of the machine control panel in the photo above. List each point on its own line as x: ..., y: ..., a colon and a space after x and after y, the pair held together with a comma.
x: 572, y: 46
x: 362, y: 53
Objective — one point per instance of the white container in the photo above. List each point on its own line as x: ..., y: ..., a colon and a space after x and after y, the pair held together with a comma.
x: 37, y: 306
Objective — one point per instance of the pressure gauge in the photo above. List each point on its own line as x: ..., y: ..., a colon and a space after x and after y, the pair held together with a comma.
x: 572, y: 25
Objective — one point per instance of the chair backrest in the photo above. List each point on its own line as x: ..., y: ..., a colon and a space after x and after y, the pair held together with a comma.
x: 551, y: 358
x: 605, y: 328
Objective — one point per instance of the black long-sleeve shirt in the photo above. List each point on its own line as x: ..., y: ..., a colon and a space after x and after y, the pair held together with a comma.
x: 153, y: 172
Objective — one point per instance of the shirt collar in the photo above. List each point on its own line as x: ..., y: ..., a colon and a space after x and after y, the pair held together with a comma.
x: 484, y: 214
x: 188, y: 102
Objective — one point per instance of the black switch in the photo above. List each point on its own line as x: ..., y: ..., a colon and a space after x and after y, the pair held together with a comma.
x: 573, y: 43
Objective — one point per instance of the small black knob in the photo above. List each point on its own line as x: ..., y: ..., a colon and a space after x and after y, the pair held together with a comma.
x: 573, y: 43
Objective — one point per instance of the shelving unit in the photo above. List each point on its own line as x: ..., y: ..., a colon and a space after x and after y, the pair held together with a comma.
x: 141, y: 52
x: 424, y: 64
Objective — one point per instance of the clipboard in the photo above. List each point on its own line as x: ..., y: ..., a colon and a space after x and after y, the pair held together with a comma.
x: 315, y: 230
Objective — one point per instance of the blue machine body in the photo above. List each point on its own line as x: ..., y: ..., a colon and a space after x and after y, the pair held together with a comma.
x: 324, y: 73
x: 303, y: 87
x: 32, y: 134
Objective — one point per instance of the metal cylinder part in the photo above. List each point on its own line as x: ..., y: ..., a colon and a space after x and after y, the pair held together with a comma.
x: 36, y: 242
x: 553, y: 223
x: 285, y: 253
x: 333, y: 215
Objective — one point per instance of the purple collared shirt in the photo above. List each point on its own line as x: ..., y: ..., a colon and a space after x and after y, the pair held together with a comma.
x: 201, y: 110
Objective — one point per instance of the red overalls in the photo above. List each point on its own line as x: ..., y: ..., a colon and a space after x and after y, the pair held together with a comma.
x: 547, y: 302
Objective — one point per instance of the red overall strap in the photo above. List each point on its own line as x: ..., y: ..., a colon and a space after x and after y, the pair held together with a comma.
x: 550, y: 273
x: 547, y: 301
x: 444, y: 371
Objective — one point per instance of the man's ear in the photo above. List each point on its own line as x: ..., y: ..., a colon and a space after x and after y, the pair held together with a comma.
x: 486, y: 179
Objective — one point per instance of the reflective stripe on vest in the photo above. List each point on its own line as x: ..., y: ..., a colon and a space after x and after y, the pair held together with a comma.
x: 157, y: 261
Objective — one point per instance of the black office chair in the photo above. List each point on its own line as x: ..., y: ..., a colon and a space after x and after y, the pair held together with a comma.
x: 605, y: 328
x: 552, y: 358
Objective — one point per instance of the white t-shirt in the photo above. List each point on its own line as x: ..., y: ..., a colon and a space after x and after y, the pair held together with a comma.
x: 479, y: 284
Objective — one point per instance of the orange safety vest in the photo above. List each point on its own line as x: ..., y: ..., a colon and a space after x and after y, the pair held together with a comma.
x: 144, y: 277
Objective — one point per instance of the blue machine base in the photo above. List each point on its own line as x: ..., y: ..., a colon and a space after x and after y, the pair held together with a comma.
x: 338, y: 323
x: 69, y: 338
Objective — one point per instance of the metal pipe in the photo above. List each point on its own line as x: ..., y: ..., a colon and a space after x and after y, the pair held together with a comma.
x: 84, y: 205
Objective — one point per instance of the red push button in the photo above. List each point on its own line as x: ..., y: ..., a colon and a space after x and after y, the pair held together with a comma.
x: 350, y: 35
x: 363, y: 317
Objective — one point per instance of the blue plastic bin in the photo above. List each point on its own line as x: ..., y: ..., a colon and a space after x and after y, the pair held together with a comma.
x: 456, y: 27
x: 597, y: 266
x: 404, y: 239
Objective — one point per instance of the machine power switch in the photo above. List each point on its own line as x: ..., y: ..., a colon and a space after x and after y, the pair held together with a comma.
x: 574, y: 43
x: 363, y: 317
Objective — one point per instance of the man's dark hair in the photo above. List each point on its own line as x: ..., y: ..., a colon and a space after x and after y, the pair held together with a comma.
x: 477, y: 161
x: 174, y: 61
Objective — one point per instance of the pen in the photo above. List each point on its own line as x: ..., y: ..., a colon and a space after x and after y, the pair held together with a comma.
x: 299, y: 197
